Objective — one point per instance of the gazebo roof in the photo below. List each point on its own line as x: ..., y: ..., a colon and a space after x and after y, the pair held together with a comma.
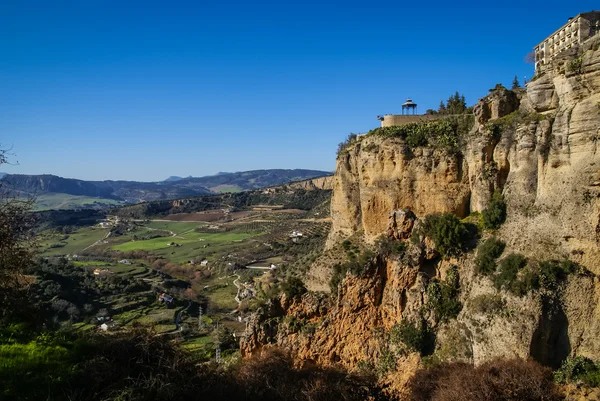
x: 408, y: 103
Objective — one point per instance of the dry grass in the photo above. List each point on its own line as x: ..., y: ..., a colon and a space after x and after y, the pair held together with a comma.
x: 502, y: 380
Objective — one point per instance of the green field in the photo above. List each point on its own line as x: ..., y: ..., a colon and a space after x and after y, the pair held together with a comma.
x: 177, y: 227
x: 192, y: 237
x: 57, y: 244
x: 226, y: 188
x: 55, y: 201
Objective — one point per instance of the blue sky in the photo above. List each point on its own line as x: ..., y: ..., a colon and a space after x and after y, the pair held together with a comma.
x: 144, y: 90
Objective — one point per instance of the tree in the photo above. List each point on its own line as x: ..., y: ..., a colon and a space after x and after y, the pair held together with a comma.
x: 530, y: 57
x: 16, y: 244
x: 442, y: 108
x: 456, y: 104
x: 515, y: 83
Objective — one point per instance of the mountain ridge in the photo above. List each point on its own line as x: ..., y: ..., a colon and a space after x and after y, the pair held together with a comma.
x: 137, y: 191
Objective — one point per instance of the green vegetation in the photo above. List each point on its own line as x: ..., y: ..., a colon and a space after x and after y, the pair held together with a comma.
x: 188, y: 238
x: 386, y: 246
x: 494, y: 214
x: 574, y: 65
x: 456, y: 104
x: 386, y: 362
x: 442, y: 297
x: 342, y: 146
x: 444, y: 134
x: 54, y: 201
x: 509, y: 123
x: 57, y: 244
x: 579, y: 369
x: 514, y: 274
x: 515, y: 83
x: 487, y: 253
x: 293, y: 287
x: 416, y: 336
x: 508, y: 271
x: 446, y: 230
x: 358, y: 264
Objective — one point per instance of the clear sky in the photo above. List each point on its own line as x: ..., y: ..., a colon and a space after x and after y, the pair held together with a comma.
x: 99, y: 89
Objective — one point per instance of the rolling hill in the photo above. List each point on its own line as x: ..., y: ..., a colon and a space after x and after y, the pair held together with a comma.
x: 54, y: 192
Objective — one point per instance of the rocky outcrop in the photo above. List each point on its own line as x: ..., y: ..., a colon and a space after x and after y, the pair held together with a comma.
x: 371, y: 183
x: 323, y: 183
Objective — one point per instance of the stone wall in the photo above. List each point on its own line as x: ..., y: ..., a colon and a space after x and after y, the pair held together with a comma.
x: 390, y: 120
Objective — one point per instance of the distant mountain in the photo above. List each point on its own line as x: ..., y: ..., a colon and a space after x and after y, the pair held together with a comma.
x: 248, y: 180
x: 128, y: 191
x: 172, y: 188
x: 2, y: 175
x: 174, y: 178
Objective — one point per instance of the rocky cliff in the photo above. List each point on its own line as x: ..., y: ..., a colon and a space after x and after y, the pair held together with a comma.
x: 539, y: 148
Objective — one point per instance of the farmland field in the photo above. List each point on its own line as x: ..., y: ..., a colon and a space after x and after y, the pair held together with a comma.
x: 176, y: 226
x: 55, y: 201
x: 192, y: 257
x: 187, y: 238
x: 58, y: 244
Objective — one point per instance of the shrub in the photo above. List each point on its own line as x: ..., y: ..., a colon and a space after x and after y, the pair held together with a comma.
x: 495, y: 213
x: 578, y: 369
x: 444, y: 134
x: 417, y: 337
x: 487, y: 253
x: 442, y: 297
x: 343, y: 145
x: 386, y: 362
x: 552, y: 272
x: 574, y: 66
x: 388, y: 246
x: 357, y: 266
x: 447, y: 232
x: 498, y: 380
x: 293, y: 287
x: 508, y: 271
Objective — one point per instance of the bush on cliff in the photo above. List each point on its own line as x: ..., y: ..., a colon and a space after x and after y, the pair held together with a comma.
x: 444, y: 134
x: 446, y: 230
x: 417, y: 337
x: 508, y: 271
x: 357, y: 265
x: 487, y: 253
x: 293, y: 287
x: 442, y: 297
x: 494, y: 215
x: 387, y: 246
x: 347, y: 142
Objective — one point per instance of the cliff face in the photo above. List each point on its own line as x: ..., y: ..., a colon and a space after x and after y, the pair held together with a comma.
x: 539, y: 147
x: 545, y: 162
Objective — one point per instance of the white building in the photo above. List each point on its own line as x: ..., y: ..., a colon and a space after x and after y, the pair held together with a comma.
x: 577, y: 30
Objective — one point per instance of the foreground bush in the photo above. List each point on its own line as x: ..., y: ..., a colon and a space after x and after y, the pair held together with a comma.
x: 139, y: 365
x: 514, y: 380
x: 579, y: 369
